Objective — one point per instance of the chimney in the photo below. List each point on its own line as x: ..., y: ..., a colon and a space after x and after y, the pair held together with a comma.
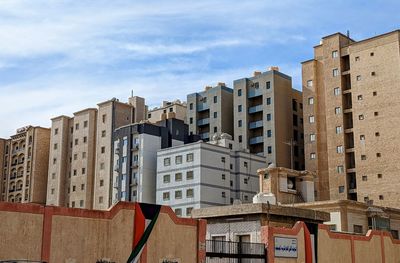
x: 222, y: 84
x: 256, y: 73
x: 274, y: 68
x: 207, y: 88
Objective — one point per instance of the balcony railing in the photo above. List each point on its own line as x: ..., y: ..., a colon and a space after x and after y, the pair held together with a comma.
x: 239, y: 250
x: 255, y: 124
x: 204, y: 121
x: 255, y: 109
x: 256, y: 140
x: 254, y: 93
x: 202, y: 107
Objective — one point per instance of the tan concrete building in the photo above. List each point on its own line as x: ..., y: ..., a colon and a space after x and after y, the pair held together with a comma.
x: 80, y: 162
x: 210, y: 111
x: 351, y: 114
x: 25, y: 165
x: 168, y: 110
x: 268, y: 118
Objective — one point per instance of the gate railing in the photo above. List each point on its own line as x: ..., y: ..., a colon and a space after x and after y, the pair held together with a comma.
x: 229, y: 249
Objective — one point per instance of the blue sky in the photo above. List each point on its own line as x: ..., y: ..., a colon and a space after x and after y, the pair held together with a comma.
x: 57, y: 57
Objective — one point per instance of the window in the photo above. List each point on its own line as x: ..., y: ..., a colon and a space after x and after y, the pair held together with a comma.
x: 373, y: 73
x: 103, y: 133
x: 191, y: 106
x: 77, y: 126
x: 76, y: 141
x: 377, y: 134
x: 359, y: 97
x: 340, y: 169
x: 269, y: 133
x: 245, y: 180
x: 312, y: 156
x: 376, y: 113
x: 166, y: 196
x: 85, y: 139
x: 82, y: 186
x: 215, y: 129
x: 55, y: 131
x: 336, y: 91
x: 379, y: 176
x: 338, y: 110
x: 362, y: 137
x: 239, y: 123
x: 75, y: 172
x: 341, y: 189
x: 357, y: 58
x: 374, y: 93
x: 358, y: 77
x: 85, y: 124
x: 55, y: 146
x: 101, y: 199
x: 178, y: 159
x: 167, y: 161
x: 73, y: 188
x: 178, y: 177
x: 309, y: 83
x: 395, y: 234
x: 178, y: 194
x: 178, y: 211
x: 361, y: 117
x: 83, y: 155
x: 268, y: 101
x: 269, y: 149
x: 191, y: 120
x: 223, y: 195
x: 338, y: 129
x: 83, y: 170
x: 311, y: 119
x: 171, y: 109
x: 312, y: 137
x: 239, y: 108
x: 268, y: 116
x: 268, y: 85
x: 363, y: 157
x: 371, y: 54
x: 101, y: 182
x: 240, y: 138
x: 73, y: 204
x: 256, y: 85
x: 189, y: 157
x: 311, y: 101
x: 223, y: 159
x: 223, y: 177
x: 378, y: 155
x: 149, y: 115
x: 364, y: 178
x: 215, y: 115
x: 189, y: 175
x: 101, y: 166
x: 215, y: 99
x: 54, y: 160
x: 339, y: 149
x: 189, y: 193
x: 239, y: 92
x: 335, y: 72
x: 52, y: 191
x: 189, y: 211
x: 166, y: 178
x: 358, y: 229
x: 103, y: 118
x: 53, y: 176
x: 335, y: 54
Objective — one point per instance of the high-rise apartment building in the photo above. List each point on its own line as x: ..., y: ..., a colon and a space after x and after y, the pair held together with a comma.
x: 268, y: 118
x: 201, y: 174
x: 351, y: 116
x: 210, y: 111
x: 24, y: 165
x: 80, y: 162
x: 135, y: 158
x: 168, y: 110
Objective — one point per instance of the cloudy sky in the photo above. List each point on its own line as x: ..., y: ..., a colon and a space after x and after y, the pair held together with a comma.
x: 57, y: 57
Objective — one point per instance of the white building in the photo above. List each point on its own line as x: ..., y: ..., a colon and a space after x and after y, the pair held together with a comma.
x: 203, y: 174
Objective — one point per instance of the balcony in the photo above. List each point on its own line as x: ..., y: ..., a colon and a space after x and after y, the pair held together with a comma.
x: 256, y: 140
x: 254, y: 93
x: 203, y: 107
x: 204, y: 136
x: 255, y: 109
x: 255, y: 124
x: 204, y: 121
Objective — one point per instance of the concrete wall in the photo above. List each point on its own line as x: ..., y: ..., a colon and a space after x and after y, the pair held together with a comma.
x: 56, y: 234
x: 375, y: 246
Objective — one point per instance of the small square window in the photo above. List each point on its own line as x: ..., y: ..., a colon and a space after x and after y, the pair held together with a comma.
x: 56, y: 131
x: 189, y: 157
x: 380, y: 197
x: 363, y: 157
x: 223, y: 176
x: 374, y: 93
x: 178, y: 159
x: 101, y: 182
x: 359, y: 97
x: 336, y: 91
x: 178, y: 211
x: 311, y: 101
x: 340, y: 169
x: 189, y: 193
x: 222, y: 159
x: 361, y: 117
x: 376, y: 113
x: 167, y: 161
x: 335, y: 72
x: 189, y: 211
x: 166, y: 178
x: 312, y: 137
x: 377, y: 134
x: 85, y: 124
x: 312, y: 156
x: 357, y: 58
x: 311, y: 119
x: 239, y: 92
x: 358, y: 77
x: 178, y: 194
x: 189, y: 175
x: 373, y: 73
x: 365, y: 178
x: 378, y: 155
x: 269, y: 117
x: 215, y: 115
x: 338, y: 110
x: 379, y: 176
x: 178, y: 177
x: 371, y: 54
x: 362, y: 137
x: 166, y: 196
x: 341, y: 189
x: 245, y: 181
x: 268, y: 85
x: 103, y: 133
x: 309, y: 83
x: 268, y: 101
x: 223, y: 195
x: 338, y: 129
x: 335, y: 54
x: 339, y: 149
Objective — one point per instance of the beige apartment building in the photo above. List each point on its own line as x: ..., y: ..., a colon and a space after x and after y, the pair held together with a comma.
x: 168, y: 110
x: 24, y: 165
x: 80, y: 162
x: 351, y: 113
x: 268, y: 118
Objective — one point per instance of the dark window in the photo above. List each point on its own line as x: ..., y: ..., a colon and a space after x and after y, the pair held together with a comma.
x: 239, y: 108
x: 268, y: 116
x: 215, y: 129
x: 269, y: 149
x: 294, y: 105
x: 268, y: 85
x: 191, y: 106
x: 240, y: 138
x: 295, y: 120
x: 239, y: 92
x: 191, y: 120
x: 240, y: 123
x: 268, y: 101
x: 269, y: 133
x: 215, y: 114
x: 215, y: 99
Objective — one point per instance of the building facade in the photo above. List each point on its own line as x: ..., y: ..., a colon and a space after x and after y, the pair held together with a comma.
x: 203, y: 174
x: 25, y: 165
x: 80, y: 162
x: 351, y: 118
x: 135, y: 157
x: 268, y: 118
x: 210, y: 111
x: 169, y: 109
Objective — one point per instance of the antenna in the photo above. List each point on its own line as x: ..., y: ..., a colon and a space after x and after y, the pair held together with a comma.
x: 348, y: 33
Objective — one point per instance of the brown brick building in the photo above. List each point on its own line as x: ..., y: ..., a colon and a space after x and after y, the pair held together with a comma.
x: 24, y: 163
x: 351, y: 116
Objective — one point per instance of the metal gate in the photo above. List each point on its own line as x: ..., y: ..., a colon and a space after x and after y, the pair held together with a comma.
x: 234, y: 252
